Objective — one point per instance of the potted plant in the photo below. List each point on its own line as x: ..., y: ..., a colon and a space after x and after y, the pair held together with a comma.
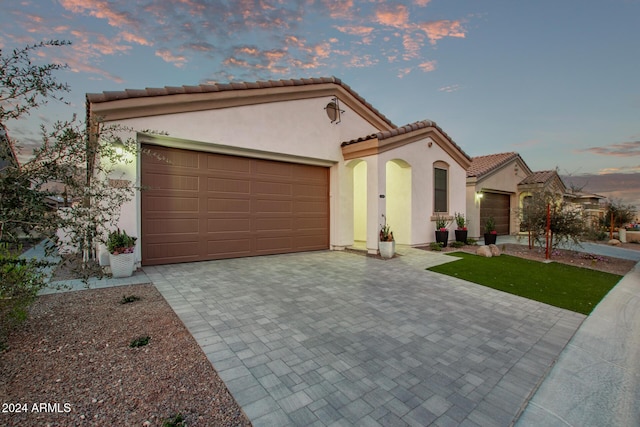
x: 386, y: 245
x: 442, y: 233
x: 490, y: 233
x: 121, y: 257
x: 461, y: 231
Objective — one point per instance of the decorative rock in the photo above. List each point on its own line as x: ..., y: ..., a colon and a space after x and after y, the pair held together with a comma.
x: 495, y: 250
x: 484, y: 251
x: 614, y: 242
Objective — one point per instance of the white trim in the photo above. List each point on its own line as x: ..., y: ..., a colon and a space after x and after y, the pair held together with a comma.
x: 170, y: 142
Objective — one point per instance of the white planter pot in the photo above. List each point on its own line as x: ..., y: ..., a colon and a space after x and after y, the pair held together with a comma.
x: 122, y: 265
x: 622, y: 235
x: 387, y: 249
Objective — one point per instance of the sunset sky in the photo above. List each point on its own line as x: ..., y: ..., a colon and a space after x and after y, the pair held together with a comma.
x: 554, y: 80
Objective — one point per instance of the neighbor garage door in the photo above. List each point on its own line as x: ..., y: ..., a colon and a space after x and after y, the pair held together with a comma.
x: 203, y: 206
x: 497, y: 206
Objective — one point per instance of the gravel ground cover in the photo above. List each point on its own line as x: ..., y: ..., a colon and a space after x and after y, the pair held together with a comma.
x: 73, y: 355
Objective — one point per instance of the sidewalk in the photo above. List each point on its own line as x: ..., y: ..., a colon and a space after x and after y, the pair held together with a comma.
x: 588, y: 247
x: 38, y: 252
x: 596, y: 380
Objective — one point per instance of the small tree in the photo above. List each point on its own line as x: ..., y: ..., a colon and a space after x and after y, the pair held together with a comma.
x: 622, y: 214
x: 566, y: 222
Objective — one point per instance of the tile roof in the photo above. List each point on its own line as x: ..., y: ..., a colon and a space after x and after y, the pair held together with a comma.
x: 411, y: 127
x: 482, y: 165
x: 221, y: 87
x: 540, y: 177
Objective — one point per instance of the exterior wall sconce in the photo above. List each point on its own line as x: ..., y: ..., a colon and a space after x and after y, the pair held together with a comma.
x: 118, y: 146
x: 333, y: 110
x: 478, y: 195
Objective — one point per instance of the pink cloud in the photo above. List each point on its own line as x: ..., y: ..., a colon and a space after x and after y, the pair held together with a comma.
x: 133, y: 38
x: 356, y: 30
x: 623, y: 149
x: 99, y: 9
x: 437, y: 30
x: 177, y: 60
x: 428, y: 66
x: 393, y: 16
x: 422, y: 3
x: 338, y: 8
x: 449, y: 89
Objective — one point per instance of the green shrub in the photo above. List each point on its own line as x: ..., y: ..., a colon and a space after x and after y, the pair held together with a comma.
x: 436, y: 246
x: 140, y: 341
x: 457, y: 244
x: 20, y: 281
x: 175, y: 421
x: 128, y: 299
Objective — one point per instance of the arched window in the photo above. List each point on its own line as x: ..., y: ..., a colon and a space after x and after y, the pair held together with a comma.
x: 440, y: 187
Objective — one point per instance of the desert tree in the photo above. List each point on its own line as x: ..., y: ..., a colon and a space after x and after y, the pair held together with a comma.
x: 566, y: 220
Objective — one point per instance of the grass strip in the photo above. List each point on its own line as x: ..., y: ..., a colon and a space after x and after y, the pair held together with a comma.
x: 565, y: 286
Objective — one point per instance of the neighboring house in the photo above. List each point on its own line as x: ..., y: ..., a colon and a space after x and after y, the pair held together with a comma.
x: 493, y: 191
x: 592, y: 206
x: 275, y: 167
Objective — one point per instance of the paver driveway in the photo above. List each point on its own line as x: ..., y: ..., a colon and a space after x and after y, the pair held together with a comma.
x: 337, y: 338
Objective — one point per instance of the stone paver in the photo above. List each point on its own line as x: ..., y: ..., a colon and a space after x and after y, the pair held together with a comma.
x: 336, y: 338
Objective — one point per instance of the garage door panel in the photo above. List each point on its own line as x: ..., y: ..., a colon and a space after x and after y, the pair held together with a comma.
x: 224, y: 185
x: 162, y: 157
x: 235, y: 225
x: 242, y: 207
x: 263, y: 169
x: 235, y: 247
x: 273, y: 188
x: 228, y: 164
x: 266, y: 206
x: 277, y: 224
x: 172, y: 225
x: 171, y: 250
x: 172, y: 204
x: 229, y: 206
x: 165, y: 181
x: 310, y: 191
x: 275, y: 244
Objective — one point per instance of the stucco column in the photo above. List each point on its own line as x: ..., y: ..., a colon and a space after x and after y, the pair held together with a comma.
x: 376, y: 180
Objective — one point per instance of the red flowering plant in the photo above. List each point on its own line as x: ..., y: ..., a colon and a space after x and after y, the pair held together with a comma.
x: 441, y: 222
x: 119, y: 242
x: 490, y: 226
x: 461, y: 222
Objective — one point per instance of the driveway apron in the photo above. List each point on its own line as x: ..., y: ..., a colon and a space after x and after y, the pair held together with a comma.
x: 338, y: 338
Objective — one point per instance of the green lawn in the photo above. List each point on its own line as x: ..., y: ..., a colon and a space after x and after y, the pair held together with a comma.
x: 560, y: 285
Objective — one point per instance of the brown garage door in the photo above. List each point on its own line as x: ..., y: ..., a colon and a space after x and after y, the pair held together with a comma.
x: 495, y: 205
x: 202, y: 206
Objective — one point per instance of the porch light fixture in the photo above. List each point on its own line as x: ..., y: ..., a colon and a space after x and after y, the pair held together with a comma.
x: 333, y: 110
x: 118, y: 146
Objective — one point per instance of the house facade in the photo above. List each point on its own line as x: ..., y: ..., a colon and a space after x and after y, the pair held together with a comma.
x: 243, y: 169
x: 492, y: 191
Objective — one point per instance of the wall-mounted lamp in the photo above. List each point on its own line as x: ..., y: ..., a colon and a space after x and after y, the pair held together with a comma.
x: 118, y: 146
x: 478, y: 195
x: 333, y: 110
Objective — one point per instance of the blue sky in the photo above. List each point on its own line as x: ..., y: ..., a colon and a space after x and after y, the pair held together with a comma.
x: 555, y: 80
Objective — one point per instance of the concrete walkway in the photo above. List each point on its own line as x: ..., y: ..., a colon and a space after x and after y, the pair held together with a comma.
x: 340, y: 339
x: 596, y: 381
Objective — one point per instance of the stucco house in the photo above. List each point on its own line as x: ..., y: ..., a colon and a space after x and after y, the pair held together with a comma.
x: 275, y: 167
x: 492, y: 191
